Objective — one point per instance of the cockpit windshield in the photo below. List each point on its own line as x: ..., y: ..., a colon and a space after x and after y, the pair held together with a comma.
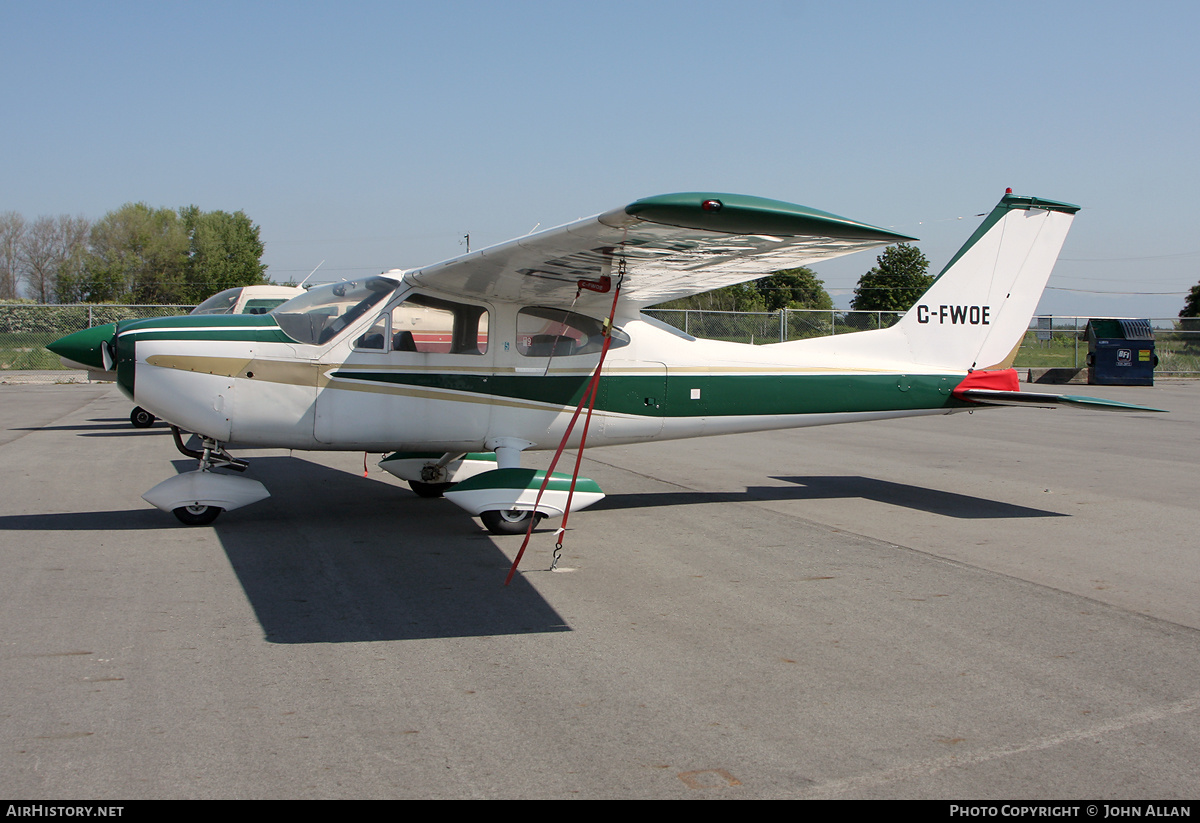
x: 323, y: 312
x: 220, y: 303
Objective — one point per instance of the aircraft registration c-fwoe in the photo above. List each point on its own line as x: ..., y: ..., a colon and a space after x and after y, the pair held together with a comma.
x: 457, y: 368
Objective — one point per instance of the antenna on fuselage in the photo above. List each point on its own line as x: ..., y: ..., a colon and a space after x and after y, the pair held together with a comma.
x: 310, y: 274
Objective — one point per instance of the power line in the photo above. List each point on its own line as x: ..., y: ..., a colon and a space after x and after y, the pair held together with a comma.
x: 1130, y: 293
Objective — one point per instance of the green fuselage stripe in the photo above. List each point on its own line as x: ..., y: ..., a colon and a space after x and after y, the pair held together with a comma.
x: 249, y: 328
x: 700, y: 395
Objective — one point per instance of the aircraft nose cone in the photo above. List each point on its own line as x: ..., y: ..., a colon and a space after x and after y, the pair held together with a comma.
x: 83, y: 348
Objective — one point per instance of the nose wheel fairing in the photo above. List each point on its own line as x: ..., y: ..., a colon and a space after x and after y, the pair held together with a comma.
x: 202, y: 495
x: 196, y: 498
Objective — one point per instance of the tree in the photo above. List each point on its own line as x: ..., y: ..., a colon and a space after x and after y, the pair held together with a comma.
x: 1191, y: 304
x: 794, y: 289
x: 787, y: 289
x: 140, y: 254
x: 224, y: 251
x: 137, y: 254
x: 895, y: 283
x: 73, y: 234
x: 51, y: 247
x: 739, y: 297
x: 38, y: 256
x: 12, y: 229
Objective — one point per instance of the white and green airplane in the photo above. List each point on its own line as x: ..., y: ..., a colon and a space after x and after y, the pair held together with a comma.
x: 456, y: 369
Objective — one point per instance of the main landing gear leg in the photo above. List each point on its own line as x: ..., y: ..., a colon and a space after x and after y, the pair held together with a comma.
x: 509, y: 521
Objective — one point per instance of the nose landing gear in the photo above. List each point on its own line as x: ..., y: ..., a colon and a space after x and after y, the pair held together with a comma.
x: 197, y: 498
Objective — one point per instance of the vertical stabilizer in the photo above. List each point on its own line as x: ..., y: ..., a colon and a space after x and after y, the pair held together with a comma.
x: 975, y: 313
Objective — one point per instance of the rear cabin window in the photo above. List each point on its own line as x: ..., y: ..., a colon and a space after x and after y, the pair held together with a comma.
x: 547, y: 332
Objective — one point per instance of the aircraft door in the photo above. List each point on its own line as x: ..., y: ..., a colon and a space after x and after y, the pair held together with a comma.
x: 414, y: 376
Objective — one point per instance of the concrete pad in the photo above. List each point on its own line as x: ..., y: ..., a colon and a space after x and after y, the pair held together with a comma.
x: 983, y: 606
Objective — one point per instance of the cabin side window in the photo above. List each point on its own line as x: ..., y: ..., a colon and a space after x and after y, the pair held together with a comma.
x: 547, y: 332
x: 429, y: 325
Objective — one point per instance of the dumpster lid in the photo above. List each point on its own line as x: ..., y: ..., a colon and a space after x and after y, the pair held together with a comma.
x: 1121, y: 329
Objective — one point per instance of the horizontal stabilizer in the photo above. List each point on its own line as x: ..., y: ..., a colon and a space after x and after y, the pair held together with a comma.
x: 994, y: 397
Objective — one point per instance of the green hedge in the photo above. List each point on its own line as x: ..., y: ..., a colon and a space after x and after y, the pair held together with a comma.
x: 16, y: 318
x: 26, y: 328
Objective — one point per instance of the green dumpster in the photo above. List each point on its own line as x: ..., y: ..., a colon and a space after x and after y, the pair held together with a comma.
x: 1120, y: 352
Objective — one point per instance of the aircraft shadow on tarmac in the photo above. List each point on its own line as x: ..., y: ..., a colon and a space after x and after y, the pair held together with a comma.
x: 333, y: 557
x: 832, y: 487
x: 101, y: 427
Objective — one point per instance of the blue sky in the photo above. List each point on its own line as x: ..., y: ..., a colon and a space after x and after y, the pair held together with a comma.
x: 375, y: 135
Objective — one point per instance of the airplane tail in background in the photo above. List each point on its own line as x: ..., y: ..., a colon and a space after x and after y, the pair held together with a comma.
x: 978, y: 309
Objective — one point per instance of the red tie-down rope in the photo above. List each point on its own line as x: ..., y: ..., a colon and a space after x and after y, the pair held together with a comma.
x: 589, y: 397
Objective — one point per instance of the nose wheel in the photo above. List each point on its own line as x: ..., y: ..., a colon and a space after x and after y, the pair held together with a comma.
x: 198, y: 515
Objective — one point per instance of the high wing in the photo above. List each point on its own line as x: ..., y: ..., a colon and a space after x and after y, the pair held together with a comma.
x: 670, y: 246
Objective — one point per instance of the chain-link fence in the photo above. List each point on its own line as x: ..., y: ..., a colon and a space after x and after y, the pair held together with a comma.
x: 1061, y: 342
x: 26, y: 329
x: 771, y: 327
x: 1051, y: 342
x: 1177, y: 343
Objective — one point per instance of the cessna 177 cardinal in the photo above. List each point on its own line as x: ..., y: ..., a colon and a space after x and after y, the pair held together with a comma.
x: 459, y: 367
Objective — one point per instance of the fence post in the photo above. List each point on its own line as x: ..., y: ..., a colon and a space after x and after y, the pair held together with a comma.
x: 1076, y: 342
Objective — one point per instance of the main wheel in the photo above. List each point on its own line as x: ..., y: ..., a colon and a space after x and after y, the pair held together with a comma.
x: 429, y: 489
x: 512, y: 521
x: 141, y: 418
x: 197, y: 515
